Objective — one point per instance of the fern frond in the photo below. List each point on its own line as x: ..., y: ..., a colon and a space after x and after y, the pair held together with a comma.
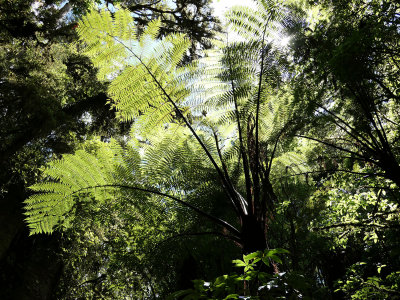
x: 72, y: 176
x: 289, y: 163
x: 146, y: 79
x: 247, y: 22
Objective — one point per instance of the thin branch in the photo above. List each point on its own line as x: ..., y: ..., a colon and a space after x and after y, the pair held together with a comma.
x: 225, y: 169
x: 377, y: 202
x: 338, y: 148
x: 354, y: 224
x: 333, y: 171
x: 368, y: 114
x: 94, y: 280
x: 385, y: 88
x: 390, y: 121
x: 384, y: 139
x: 273, y: 153
x: 349, y: 126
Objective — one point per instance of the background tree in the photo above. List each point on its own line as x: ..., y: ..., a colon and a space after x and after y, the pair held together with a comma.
x: 194, y: 18
x: 348, y: 64
x: 42, y: 99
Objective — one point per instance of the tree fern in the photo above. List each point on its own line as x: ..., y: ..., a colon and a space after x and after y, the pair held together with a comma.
x: 227, y: 109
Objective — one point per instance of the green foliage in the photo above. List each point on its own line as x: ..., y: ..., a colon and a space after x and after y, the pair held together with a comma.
x: 194, y: 18
x: 150, y: 87
x: 73, y: 175
x: 253, y: 283
x: 360, y: 215
x: 145, y: 71
x: 358, y: 207
x: 109, y: 246
x: 76, y: 174
x: 357, y: 286
x: 296, y: 149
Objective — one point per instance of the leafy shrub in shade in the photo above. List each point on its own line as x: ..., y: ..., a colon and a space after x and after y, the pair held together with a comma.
x: 255, y: 281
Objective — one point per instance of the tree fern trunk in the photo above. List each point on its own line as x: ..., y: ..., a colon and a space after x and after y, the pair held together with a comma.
x: 252, y: 235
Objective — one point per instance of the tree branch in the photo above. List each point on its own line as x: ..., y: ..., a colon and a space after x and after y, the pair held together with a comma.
x: 354, y: 224
x: 333, y: 171
x: 338, y: 148
x: 349, y: 126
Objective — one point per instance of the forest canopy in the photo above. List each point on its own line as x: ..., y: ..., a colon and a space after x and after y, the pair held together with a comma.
x: 172, y: 158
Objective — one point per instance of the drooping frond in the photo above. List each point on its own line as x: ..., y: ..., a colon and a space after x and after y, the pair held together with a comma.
x: 116, y: 172
x: 79, y: 174
x: 173, y: 160
x: 145, y: 72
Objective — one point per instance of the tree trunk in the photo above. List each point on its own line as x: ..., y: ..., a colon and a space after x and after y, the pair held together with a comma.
x: 252, y: 235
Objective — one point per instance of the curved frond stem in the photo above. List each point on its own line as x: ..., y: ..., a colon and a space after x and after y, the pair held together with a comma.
x: 273, y: 154
x: 214, y: 219
x: 390, y: 121
x: 385, y: 88
x: 241, y: 144
x: 257, y: 163
x: 384, y: 136
x: 369, y: 118
x: 242, y: 205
